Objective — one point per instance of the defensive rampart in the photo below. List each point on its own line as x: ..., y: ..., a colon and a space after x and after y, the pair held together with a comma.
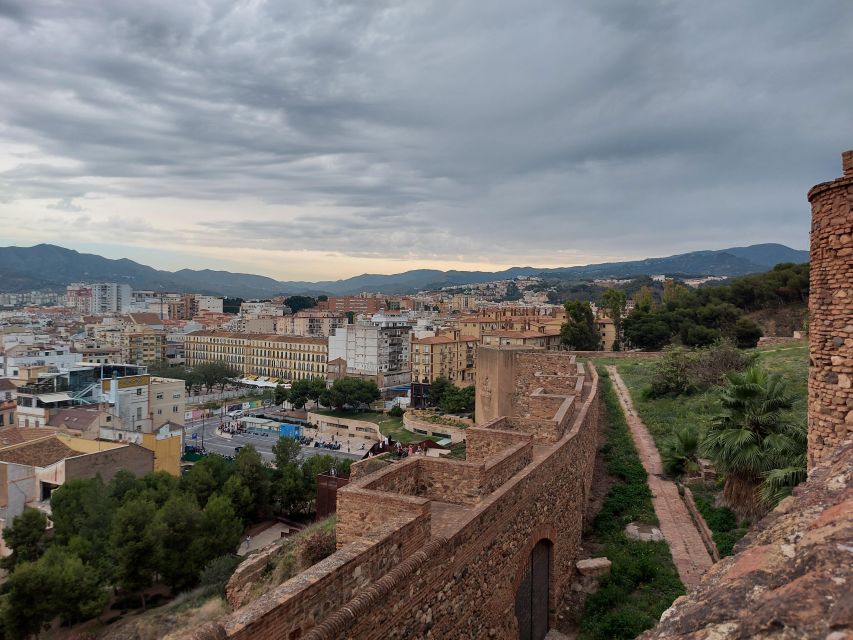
x: 455, y: 549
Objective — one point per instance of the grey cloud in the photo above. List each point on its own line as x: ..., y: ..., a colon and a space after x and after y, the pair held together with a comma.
x: 435, y: 129
x: 66, y: 204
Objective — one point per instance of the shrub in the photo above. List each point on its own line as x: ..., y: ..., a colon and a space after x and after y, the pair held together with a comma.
x: 680, y: 453
x: 682, y: 371
x: 317, y: 546
x: 396, y: 411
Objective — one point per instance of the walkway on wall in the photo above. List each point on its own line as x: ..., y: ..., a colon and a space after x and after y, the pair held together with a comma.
x: 689, y: 554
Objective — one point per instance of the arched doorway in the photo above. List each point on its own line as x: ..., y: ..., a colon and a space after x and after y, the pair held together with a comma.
x: 533, y: 597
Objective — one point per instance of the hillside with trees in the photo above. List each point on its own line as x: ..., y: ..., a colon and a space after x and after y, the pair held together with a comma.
x: 702, y: 316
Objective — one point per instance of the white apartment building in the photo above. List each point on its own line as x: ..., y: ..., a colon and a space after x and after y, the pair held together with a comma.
x: 376, y: 347
x: 111, y: 297
x: 208, y: 303
x: 17, y: 357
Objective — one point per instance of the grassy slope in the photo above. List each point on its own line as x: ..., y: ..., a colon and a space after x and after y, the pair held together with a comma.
x: 663, y: 415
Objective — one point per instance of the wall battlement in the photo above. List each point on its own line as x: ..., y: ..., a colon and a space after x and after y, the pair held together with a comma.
x: 452, y: 549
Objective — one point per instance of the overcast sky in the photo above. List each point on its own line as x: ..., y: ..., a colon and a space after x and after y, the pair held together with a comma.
x: 318, y: 139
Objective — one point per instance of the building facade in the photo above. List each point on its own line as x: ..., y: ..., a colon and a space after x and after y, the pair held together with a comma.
x: 284, y: 357
x: 378, y: 348
x: 450, y: 356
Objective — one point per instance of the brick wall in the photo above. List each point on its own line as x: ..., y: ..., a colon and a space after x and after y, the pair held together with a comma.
x: 138, y: 460
x: 483, y: 443
x: 361, y: 511
x: 461, y: 581
x: 831, y: 314
x: 300, y: 603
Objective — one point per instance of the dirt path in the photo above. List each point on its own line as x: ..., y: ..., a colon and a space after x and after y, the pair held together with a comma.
x: 689, y: 554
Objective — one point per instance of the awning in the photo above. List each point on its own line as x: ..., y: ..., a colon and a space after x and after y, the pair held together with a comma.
x: 53, y: 397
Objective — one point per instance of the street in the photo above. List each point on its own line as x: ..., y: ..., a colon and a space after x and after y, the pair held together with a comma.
x: 214, y: 443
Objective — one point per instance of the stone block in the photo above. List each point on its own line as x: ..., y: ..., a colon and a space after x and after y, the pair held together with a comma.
x: 594, y: 567
x: 643, y: 532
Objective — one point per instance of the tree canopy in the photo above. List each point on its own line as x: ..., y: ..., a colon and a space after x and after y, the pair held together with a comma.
x: 579, y: 332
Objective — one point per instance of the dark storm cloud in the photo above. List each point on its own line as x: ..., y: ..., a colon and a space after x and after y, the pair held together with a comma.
x: 438, y: 128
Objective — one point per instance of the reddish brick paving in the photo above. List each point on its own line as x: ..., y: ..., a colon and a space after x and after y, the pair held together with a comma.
x: 689, y: 554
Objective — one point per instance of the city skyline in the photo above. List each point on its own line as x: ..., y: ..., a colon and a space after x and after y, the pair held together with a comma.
x: 320, y: 142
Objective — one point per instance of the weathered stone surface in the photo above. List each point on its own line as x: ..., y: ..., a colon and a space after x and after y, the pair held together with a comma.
x: 792, y: 576
x: 594, y: 567
x: 643, y: 533
x: 830, y: 310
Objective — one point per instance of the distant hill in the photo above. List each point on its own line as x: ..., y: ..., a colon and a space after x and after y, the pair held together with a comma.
x: 50, y: 266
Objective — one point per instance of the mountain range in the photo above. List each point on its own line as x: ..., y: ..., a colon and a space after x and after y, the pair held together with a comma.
x: 47, y: 266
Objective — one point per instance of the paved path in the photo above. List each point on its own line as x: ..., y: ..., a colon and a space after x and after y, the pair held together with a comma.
x: 689, y: 554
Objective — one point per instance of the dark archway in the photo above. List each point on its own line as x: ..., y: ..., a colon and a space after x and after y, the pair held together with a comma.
x: 534, y: 593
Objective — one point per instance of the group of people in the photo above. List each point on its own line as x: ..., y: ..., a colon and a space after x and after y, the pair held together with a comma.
x: 402, y: 451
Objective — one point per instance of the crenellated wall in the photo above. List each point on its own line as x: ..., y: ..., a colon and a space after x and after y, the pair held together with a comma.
x: 831, y: 314
x: 438, y: 548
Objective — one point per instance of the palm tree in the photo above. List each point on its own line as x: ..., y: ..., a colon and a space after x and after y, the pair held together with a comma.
x: 761, y: 452
x: 681, y: 452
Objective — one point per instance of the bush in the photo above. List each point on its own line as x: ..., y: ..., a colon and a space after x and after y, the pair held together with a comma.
x: 396, y: 411
x: 317, y: 546
x: 683, y: 371
x: 680, y: 453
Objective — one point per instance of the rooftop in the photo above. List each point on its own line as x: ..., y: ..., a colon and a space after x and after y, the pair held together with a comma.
x: 37, y: 453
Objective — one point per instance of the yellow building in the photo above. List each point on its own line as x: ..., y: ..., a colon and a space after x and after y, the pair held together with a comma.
x: 526, y: 338
x: 476, y: 326
x: 139, y: 344
x: 607, y: 331
x: 451, y: 356
x: 167, y: 445
x: 284, y: 357
x: 167, y: 401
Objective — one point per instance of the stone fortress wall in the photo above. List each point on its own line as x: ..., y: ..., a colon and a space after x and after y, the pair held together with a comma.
x: 831, y: 314
x: 436, y: 548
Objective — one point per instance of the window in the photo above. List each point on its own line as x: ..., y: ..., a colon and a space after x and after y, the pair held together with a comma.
x: 175, y: 409
x: 159, y: 395
x: 159, y: 412
x: 139, y: 413
x: 176, y: 395
x: 139, y: 392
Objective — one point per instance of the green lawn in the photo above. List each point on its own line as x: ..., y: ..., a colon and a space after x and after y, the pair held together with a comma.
x: 394, y: 429
x: 664, y: 415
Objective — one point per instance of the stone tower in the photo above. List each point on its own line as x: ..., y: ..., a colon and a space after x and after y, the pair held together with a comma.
x: 831, y: 314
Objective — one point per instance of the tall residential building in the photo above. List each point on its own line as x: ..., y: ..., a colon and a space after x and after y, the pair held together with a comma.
x: 110, y: 297
x: 285, y: 358
x: 142, y: 345
x: 377, y: 348
x: 79, y: 297
x: 451, y: 355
